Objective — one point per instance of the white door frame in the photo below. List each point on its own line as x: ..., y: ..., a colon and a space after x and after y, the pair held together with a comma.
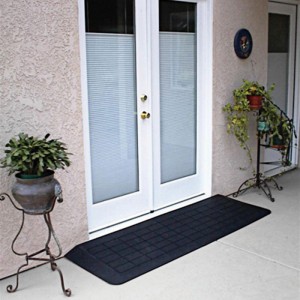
x: 99, y: 214
x: 293, y: 109
x: 296, y: 116
x: 175, y: 191
x: 205, y: 72
x: 84, y: 98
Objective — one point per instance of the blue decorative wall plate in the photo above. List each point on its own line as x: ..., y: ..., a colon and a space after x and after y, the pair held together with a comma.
x: 243, y: 43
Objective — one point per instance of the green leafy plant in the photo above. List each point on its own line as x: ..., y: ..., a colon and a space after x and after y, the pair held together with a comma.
x: 237, y: 113
x: 283, y: 132
x: 280, y: 129
x: 270, y: 115
x: 238, y: 121
x: 281, y: 138
x: 32, y: 156
x: 277, y: 127
x: 253, y: 88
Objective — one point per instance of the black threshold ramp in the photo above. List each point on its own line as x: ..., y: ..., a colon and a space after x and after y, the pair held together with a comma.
x: 126, y: 254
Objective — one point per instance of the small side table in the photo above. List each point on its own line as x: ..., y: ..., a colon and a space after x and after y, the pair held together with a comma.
x: 28, y: 257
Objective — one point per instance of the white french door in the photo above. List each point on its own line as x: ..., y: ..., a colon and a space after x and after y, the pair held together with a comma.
x: 181, y: 118
x: 147, y: 121
x: 282, y: 71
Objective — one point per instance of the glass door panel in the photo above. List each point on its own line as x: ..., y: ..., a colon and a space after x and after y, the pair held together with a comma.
x: 178, y: 172
x: 281, y: 68
x: 178, y: 93
x: 113, y: 60
x: 110, y: 47
x: 278, y: 57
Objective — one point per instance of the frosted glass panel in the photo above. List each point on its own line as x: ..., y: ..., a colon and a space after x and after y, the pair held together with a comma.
x: 178, y: 105
x: 112, y: 114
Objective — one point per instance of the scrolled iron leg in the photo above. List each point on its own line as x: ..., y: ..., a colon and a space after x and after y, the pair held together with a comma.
x: 53, y: 234
x: 249, y: 183
x: 53, y: 264
x: 268, y: 193
x: 279, y: 188
x: 257, y: 182
x: 54, y: 267
x: 10, y: 288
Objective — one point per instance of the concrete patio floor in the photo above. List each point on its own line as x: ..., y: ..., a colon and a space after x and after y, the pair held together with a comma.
x: 258, y: 262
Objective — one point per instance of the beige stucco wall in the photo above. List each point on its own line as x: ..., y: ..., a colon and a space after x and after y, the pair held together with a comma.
x: 228, y: 72
x: 40, y: 93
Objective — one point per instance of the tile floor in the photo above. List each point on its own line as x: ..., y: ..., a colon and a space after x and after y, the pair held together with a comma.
x: 259, y: 262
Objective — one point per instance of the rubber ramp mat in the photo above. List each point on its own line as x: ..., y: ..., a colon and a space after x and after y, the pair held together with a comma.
x: 126, y: 254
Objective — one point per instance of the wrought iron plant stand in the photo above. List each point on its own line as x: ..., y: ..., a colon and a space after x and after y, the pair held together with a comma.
x: 259, y: 180
x: 31, y: 257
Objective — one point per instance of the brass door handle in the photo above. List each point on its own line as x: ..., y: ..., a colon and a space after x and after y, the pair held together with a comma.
x: 145, y: 115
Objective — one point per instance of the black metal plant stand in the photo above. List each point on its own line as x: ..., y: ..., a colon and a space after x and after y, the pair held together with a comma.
x: 31, y: 257
x: 258, y: 181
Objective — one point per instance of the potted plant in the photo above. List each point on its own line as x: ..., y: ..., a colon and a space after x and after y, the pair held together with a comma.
x: 34, y: 161
x: 254, y: 92
x: 237, y: 113
x: 268, y: 119
x: 280, y: 139
x: 281, y: 136
x: 279, y: 131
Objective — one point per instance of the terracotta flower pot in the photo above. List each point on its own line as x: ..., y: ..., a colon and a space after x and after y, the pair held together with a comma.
x: 255, y: 102
x: 36, y: 195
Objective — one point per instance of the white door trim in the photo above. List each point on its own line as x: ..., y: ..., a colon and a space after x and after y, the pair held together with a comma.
x: 293, y: 80
x: 207, y: 89
x: 85, y: 109
x: 204, y: 112
x: 296, y: 116
x: 100, y: 215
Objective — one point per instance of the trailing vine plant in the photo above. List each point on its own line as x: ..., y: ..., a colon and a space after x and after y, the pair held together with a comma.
x: 237, y: 113
x: 279, y: 128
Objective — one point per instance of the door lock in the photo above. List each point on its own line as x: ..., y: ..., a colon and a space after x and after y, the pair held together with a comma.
x: 145, y: 115
x: 143, y: 97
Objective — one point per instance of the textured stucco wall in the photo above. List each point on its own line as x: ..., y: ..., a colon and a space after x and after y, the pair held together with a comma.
x: 228, y: 72
x: 40, y: 93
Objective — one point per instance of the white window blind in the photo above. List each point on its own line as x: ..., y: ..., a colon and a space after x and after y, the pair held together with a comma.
x: 178, y: 104
x: 112, y: 114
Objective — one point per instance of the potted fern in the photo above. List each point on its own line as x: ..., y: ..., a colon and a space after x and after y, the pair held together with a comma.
x: 34, y: 161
